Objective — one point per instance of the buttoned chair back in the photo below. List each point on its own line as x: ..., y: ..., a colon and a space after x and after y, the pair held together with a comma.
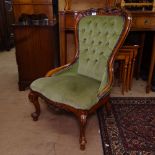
x: 98, y: 38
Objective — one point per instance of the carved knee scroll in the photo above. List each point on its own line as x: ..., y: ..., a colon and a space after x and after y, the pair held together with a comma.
x: 34, y: 99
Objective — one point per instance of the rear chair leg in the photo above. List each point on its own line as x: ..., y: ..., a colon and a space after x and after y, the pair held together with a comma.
x: 34, y: 99
x: 83, y: 121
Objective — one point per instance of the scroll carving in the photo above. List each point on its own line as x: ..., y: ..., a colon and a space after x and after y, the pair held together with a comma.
x: 68, y: 4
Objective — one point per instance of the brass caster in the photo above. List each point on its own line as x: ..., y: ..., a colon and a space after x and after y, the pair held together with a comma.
x: 82, y: 147
x: 83, y: 143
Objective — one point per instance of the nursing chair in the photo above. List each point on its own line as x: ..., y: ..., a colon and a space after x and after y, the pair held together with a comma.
x: 84, y: 85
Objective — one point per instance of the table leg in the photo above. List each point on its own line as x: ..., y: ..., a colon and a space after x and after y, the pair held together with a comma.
x: 140, y: 54
x: 152, y: 64
x: 132, y: 68
x: 129, y: 70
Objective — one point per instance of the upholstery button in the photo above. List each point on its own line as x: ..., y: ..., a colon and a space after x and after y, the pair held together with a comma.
x: 107, y: 43
x: 101, y: 53
x: 91, y: 32
x: 86, y: 50
x: 92, y: 42
x: 88, y: 59
x: 93, y: 51
x: 112, y: 24
x: 96, y: 60
x: 84, y: 40
x: 99, y: 42
x: 99, y: 33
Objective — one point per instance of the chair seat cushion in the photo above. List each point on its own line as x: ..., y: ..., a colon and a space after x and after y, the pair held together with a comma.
x: 75, y: 90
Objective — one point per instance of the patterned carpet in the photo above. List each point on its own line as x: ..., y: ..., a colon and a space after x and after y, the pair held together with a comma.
x: 130, y: 129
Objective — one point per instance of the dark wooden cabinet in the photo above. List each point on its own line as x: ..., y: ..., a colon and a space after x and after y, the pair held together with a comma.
x: 6, y: 20
x: 37, y: 51
x: 37, y: 45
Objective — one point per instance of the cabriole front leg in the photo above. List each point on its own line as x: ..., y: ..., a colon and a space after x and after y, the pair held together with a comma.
x: 82, y: 140
x: 34, y: 99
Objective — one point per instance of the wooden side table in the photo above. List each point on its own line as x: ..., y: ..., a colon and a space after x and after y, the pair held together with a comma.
x: 133, y: 49
x: 126, y: 58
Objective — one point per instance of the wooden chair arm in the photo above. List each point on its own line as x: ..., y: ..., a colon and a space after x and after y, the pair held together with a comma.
x: 53, y: 71
x: 104, y: 92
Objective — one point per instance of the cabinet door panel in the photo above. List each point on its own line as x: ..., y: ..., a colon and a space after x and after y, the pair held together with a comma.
x: 36, y: 52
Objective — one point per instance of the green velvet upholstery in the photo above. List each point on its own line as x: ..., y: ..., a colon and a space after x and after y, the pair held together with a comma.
x: 97, y: 38
x: 79, y: 85
x: 70, y: 88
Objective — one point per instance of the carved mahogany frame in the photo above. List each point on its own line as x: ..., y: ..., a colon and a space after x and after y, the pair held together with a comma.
x: 104, y: 94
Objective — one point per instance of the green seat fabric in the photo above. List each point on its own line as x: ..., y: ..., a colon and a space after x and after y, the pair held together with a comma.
x: 69, y: 88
